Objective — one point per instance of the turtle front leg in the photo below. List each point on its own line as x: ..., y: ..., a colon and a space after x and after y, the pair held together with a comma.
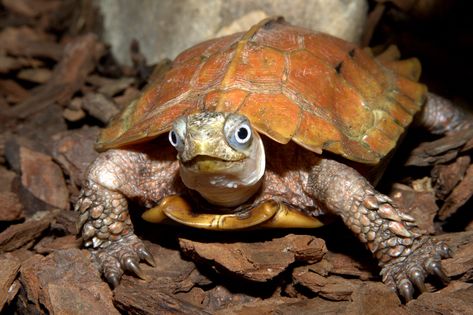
x: 404, y: 252
x: 104, y: 220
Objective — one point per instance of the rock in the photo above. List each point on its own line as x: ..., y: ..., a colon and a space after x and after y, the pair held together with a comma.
x: 163, y: 33
x: 259, y: 261
x: 43, y: 178
x: 11, y: 208
x: 8, y: 273
x: 64, y: 282
x: 24, y: 234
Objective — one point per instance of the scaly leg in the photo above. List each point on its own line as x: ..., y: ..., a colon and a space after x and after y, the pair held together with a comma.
x: 104, y: 220
x: 405, y: 254
x: 440, y: 116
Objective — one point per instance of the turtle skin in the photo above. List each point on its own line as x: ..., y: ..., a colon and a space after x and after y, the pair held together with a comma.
x: 139, y: 164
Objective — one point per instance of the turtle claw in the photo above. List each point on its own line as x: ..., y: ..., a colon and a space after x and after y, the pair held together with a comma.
x: 435, y: 268
x: 113, y: 279
x: 123, y: 254
x: 144, y: 254
x: 417, y: 277
x: 406, y: 289
x: 131, y: 265
x: 408, y: 273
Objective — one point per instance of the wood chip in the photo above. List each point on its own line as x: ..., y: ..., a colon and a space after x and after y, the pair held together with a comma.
x: 36, y: 75
x: 13, y: 92
x: 419, y: 204
x: 100, y: 107
x: 260, y: 261
x: 11, y: 208
x: 24, y: 234
x: 281, y: 305
x: 64, y: 282
x: 8, y: 63
x: 74, y: 151
x: 172, y: 274
x: 446, y: 177
x: 80, y: 57
x: 458, y: 302
x: 375, y: 298
x: 43, y: 178
x: 6, y: 179
x: 459, y: 196
x: 332, y: 287
x: 8, y: 273
x: 50, y: 244
x: 460, y: 266
x: 28, y: 42
x: 442, y: 150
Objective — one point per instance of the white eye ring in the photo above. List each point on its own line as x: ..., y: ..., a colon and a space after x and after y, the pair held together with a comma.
x: 173, y: 138
x: 243, y: 133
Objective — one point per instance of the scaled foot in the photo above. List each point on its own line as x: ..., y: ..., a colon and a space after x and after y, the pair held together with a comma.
x: 106, y: 228
x: 121, y: 255
x: 406, y: 274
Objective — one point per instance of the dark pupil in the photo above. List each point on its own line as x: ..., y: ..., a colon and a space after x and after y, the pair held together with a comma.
x: 173, y: 137
x: 242, y: 133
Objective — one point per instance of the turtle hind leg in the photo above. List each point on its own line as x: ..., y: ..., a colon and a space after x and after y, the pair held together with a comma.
x: 107, y: 230
x: 405, y: 254
x: 441, y: 116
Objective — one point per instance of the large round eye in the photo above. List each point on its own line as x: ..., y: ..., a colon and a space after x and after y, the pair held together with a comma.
x: 177, y: 133
x: 243, y: 133
x: 238, y: 132
x: 174, y: 138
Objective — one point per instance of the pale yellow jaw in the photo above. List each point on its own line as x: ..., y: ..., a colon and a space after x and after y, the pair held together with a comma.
x: 231, y: 185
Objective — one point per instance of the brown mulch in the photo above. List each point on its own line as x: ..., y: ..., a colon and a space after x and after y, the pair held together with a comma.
x: 59, y: 85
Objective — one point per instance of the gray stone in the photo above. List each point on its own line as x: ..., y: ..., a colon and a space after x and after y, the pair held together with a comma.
x: 167, y: 27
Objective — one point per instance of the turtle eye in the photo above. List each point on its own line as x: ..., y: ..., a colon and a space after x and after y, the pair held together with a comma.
x: 242, y: 134
x: 239, y: 133
x: 177, y: 134
x: 173, y: 138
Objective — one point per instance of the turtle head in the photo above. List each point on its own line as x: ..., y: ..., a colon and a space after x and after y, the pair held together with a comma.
x: 220, y: 155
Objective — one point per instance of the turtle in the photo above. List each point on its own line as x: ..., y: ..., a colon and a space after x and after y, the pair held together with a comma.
x: 272, y: 127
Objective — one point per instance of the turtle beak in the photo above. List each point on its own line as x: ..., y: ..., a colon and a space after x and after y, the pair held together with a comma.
x: 208, y: 164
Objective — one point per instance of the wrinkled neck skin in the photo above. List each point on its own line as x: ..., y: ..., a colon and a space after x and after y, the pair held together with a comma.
x: 234, y: 185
